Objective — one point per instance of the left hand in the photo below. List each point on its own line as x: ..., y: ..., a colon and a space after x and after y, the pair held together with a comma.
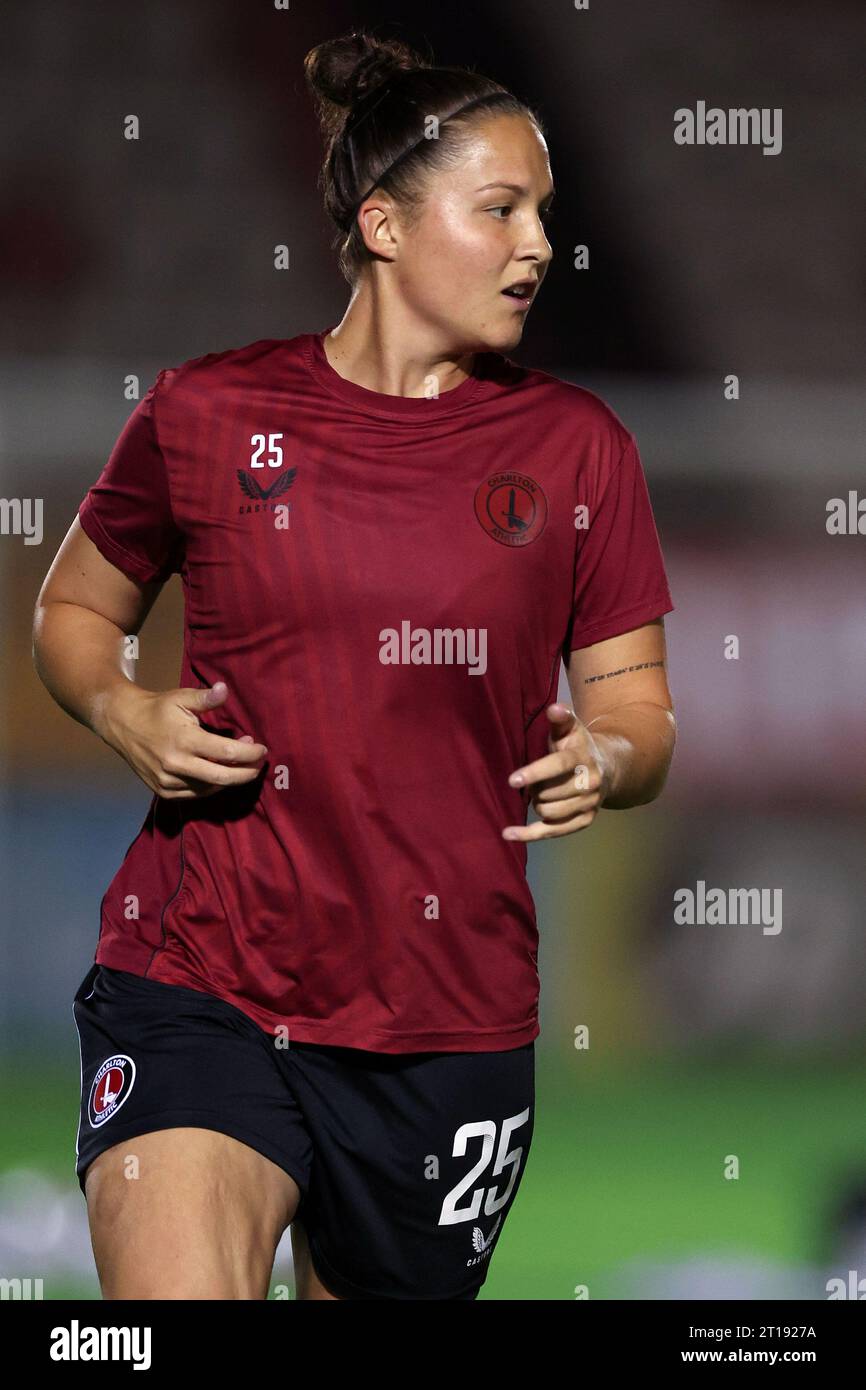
x: 570, y: 783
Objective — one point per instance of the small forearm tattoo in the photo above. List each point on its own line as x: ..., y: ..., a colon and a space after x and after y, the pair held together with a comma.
x: 643, y: 666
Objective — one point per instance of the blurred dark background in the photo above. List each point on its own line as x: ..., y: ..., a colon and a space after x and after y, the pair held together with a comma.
x: 119, y: 257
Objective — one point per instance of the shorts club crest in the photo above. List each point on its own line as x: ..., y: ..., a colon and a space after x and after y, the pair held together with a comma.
x: 111, y: 1085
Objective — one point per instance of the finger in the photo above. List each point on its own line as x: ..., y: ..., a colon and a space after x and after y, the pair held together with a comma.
x: 202, y: 697
x: 189, y: 769
x: 560, y: 713
x: 199, y: 789
x: 551, y: 765
x: 579, y: 781
x: 186, y: 793
x: 219, y: 748
x: 172, y: 788
x: 539, y: 831
x: 555, y: 811
x: 562, y: 720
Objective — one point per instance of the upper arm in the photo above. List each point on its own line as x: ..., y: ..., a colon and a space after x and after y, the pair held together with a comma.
x: 80, y: 574
x: 124, y: 543
x: 620, y: 585
x: 620, y: 670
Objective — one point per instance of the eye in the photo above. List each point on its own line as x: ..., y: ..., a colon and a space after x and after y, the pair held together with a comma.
x: 545, y: 216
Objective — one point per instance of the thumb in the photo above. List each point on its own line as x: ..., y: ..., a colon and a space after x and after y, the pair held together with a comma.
x: 205, y: 697
x: 562, y: 721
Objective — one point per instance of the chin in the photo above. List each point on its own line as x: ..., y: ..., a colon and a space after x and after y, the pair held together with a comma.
x: 502, y: 337
x: 510, y: 335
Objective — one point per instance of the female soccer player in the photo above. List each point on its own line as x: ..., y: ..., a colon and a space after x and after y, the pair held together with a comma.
x: 314, y: 997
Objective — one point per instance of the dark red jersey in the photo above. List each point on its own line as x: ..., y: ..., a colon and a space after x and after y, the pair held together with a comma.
x: 387, y: 586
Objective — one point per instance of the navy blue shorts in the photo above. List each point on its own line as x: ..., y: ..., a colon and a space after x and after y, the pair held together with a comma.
x: 407, y: 1164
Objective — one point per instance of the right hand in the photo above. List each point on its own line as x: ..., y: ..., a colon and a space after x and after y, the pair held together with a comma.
x: 159, y: 735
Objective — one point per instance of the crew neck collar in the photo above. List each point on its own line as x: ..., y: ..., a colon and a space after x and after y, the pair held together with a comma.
x: 405, y: 408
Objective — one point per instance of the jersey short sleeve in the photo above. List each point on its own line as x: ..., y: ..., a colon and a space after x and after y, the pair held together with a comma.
x: 619, y: 576
x: 127, y: 512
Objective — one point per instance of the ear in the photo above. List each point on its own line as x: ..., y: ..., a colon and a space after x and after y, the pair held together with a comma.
x: 379, y: 226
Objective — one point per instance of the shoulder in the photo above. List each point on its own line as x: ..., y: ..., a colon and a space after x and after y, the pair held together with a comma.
x: 591, y: 417
x: 582, y: 437
x: 213, y: 370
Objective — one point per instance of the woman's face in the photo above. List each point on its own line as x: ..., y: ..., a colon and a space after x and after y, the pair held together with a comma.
x: 481, y: 228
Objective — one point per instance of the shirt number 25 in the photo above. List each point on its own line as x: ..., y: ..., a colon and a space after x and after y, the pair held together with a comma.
x: 260, y: 442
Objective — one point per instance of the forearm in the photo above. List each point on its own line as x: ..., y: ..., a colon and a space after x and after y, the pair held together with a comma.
x: 78, y: 655
x: 637, y: 744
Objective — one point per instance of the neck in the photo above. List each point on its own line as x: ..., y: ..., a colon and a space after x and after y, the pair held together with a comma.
x: 386, y: 348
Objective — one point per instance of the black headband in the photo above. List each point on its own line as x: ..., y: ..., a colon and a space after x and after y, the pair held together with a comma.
x: 476, y: 101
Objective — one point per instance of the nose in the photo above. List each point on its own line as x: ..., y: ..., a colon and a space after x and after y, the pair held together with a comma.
x: 535, y: 258
x: 539, y: 248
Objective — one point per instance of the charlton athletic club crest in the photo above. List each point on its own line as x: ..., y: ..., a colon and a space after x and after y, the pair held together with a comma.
x: 111, y: 1085
x: 511, y: 507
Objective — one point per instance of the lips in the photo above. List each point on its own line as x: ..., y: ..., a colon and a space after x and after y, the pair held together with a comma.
x: 521, y: 289
x: 521, y: 292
